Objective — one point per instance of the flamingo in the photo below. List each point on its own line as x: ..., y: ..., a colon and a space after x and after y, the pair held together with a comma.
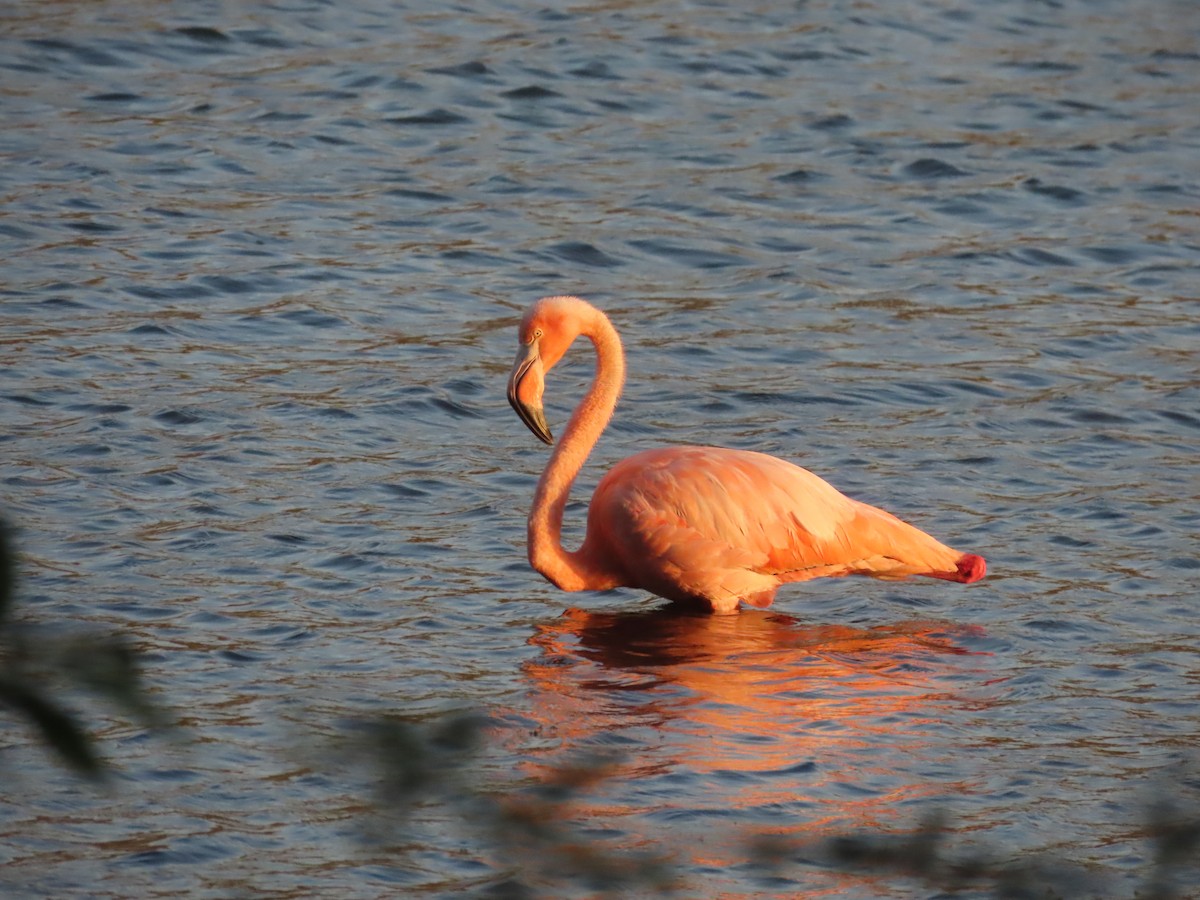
x: 705, y: 526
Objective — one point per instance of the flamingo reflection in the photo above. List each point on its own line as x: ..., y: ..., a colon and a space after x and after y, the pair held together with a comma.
x: 759, y: 720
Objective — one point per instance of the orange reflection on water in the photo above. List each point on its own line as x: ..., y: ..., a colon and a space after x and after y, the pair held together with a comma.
x: 755, y: 723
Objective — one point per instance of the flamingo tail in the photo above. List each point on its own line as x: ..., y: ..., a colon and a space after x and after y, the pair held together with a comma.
x: 969, y: 568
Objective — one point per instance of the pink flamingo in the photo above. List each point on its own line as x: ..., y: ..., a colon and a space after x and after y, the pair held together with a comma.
x: 701, y: 525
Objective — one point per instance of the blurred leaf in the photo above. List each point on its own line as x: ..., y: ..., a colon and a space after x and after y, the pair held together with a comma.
x: 458, y: 733
x: 924, y: 854
x: 8, y: 570
x: 108, y: 665
x: 1173, y: 826
x: 58, y: 728
x: 415, y: 759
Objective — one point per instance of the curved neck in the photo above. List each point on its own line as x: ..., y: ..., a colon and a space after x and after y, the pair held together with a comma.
x: 573, y: 570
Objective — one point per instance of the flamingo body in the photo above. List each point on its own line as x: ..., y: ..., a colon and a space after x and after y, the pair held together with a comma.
x: 703, y: 525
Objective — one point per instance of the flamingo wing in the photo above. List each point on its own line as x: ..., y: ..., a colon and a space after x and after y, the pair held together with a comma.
x: 705, y: 523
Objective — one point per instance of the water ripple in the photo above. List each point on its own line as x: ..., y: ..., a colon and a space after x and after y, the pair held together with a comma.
x: 262, y: 277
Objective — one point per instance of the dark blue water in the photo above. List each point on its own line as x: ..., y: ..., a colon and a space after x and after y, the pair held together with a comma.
x: 262, y: 271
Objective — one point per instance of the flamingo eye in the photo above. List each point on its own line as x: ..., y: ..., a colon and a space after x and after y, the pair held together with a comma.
x: 537, y: 333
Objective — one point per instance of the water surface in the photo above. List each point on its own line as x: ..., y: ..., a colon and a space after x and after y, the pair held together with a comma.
x: 262, y: 275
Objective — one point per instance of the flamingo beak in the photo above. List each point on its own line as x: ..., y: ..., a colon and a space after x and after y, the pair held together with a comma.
x: 525, y: 386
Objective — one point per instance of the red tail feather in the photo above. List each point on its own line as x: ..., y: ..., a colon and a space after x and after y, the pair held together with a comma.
x: 969, y: 568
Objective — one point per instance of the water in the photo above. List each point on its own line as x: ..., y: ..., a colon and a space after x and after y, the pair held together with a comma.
x: 262, y: 270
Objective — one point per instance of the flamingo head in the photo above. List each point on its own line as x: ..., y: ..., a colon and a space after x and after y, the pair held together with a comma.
x: 546, y: 332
